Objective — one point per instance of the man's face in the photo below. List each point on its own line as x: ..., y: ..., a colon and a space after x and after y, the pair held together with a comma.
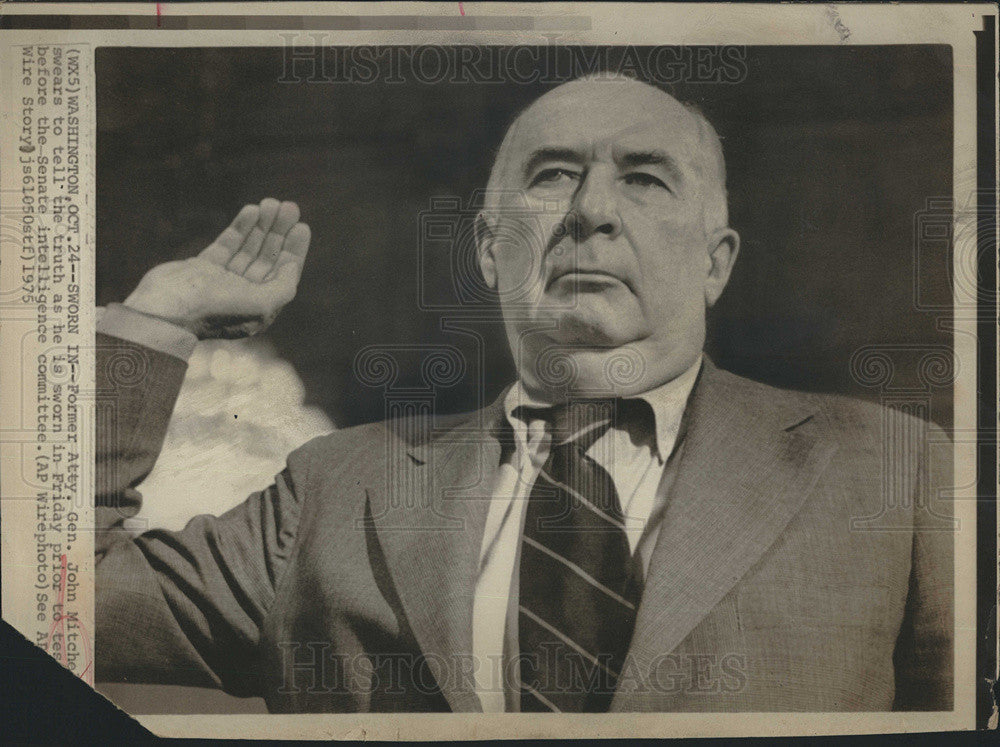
x: 602, y: 242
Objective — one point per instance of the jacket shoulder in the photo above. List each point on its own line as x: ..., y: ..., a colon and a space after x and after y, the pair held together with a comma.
x: 338, y: 445
x: 852, y: 420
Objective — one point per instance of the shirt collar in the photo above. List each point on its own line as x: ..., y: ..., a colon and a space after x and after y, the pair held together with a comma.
x: 668, y: 402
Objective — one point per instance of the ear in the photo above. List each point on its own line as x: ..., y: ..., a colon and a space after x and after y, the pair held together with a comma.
x: 484, y: 247
x: 723, y: 246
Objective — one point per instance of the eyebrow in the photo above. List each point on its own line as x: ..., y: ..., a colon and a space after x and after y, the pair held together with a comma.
x: 633, y: 159
x: 541, y: 155
x: 628, y: 160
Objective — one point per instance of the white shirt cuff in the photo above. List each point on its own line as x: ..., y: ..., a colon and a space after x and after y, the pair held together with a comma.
x: 149, y: 331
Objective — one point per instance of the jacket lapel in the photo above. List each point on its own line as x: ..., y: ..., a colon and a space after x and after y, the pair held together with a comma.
x: 745, y: 471
x: 428, y: 502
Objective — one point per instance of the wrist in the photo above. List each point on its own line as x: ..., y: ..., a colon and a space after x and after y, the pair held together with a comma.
x: 142, y: 305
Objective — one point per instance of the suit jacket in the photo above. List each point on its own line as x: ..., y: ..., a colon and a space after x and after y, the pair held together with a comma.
x: 804, y: 562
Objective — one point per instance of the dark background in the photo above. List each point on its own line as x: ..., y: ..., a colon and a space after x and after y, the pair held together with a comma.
x: 832, y: 153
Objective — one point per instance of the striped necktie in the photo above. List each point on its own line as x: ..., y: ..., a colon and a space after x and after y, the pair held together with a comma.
x: 578, y: 594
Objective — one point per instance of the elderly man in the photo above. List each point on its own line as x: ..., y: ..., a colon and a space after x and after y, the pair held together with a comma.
x: 626, y: 528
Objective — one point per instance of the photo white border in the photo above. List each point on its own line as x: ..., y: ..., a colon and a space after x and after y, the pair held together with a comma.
x: 618, y: 24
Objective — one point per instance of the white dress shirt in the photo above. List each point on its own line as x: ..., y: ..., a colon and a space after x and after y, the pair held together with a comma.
x: 635, y: 460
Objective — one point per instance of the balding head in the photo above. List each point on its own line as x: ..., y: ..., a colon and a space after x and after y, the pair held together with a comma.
x: 632, y: 101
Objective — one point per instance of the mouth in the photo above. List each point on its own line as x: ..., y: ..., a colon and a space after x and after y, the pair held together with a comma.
x: 587, y: 279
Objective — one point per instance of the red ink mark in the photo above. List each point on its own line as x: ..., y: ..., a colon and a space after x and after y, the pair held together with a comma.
x: 159, y: 10
x: 59, y: 624
x: 461, y: 9
x: 87, y: 675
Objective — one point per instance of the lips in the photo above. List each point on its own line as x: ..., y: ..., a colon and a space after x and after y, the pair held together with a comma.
x: 582, y: 276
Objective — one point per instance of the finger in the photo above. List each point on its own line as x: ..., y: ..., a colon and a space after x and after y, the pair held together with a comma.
x: 251, y: 247
x: 293, y: 251
x: 229, y: 241
x: 283, y: 283
x: 288, y: 216
x: 297, y: 241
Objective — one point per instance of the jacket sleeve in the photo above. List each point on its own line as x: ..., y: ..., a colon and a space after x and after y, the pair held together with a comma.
x: 175, y: 607
x: 925, y: 655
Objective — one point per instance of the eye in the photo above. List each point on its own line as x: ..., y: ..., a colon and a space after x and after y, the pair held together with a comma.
x: 554, y: 176
x: 642, y: 179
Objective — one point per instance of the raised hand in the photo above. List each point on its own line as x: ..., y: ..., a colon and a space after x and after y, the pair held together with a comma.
x: 237, y: 285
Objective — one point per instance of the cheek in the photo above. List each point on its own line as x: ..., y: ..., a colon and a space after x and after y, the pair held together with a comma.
x: 519, y: 246
x: 671, y: 260
x: 517, y: 269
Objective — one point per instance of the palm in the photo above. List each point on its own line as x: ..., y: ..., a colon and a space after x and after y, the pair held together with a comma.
x: 237, y: 285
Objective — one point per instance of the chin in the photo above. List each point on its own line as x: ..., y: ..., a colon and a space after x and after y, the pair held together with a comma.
x: 578, y: 327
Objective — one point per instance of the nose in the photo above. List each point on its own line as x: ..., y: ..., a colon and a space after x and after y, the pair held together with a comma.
x: 594, y: 209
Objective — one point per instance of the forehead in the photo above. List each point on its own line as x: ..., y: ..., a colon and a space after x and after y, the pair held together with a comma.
x: 612, y: 115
